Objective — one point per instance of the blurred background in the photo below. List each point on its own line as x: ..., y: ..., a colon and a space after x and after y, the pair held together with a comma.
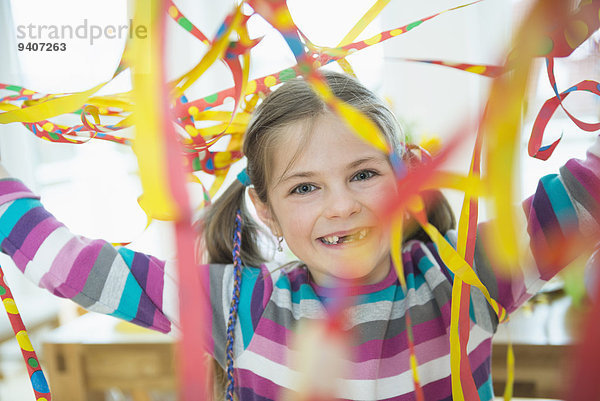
x: 93, y: 188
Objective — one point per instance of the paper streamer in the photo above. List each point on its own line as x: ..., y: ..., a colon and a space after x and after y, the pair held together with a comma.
x: 535, y: 148
x: 164, y: 181
x: 169, y: 145
x: 34, y: 370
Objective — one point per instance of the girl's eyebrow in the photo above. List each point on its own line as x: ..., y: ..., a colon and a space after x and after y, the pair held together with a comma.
x: 300, y: 174
x: 364, y: 160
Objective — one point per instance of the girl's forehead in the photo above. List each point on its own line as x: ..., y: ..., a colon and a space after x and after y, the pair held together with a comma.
x: 325, y: 141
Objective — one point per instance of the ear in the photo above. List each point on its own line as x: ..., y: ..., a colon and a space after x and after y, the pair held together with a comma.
x: 264, y: 212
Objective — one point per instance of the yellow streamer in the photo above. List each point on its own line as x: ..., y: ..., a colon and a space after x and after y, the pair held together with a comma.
x: 510, y: 372
x: 457, y: 393
x: 356, y: 121
x: 461, y: 268
x: 215, y: 52
x: 364, y: 22
x: 49, y: 108
x: 149, y: 145
x: 356, y: 30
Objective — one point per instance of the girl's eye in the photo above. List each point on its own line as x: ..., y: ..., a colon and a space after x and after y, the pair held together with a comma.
x: 364, y: 175
x: 303, y: 189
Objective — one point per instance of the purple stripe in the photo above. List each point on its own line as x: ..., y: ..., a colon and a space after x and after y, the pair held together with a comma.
x: 268, y: 283
x: 139, y: 268
x: 438, y: 390
x: 34, y: 240
x: 545, y: 214
x: 297, y: 277
x: 256, y: 301
x: 538, y: 243
x: 145, y: 310
x: 26, y: 223
x: 255, y: 387
x: 482, y: 373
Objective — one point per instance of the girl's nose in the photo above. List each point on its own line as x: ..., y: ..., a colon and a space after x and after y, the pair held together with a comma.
x: 341, y: 203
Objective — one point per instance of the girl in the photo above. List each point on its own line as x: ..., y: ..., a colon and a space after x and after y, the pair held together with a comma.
x: 319, y: 187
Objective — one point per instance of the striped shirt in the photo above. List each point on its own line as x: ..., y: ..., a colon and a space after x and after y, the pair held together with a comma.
x: 561, y: 215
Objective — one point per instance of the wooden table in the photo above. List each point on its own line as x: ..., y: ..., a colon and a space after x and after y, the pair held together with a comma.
x: 542, y: 336
x: 96, y: 353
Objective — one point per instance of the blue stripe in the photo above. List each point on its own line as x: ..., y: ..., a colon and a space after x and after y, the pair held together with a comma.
x: 249, y: 277
x: 127, y: 255
x: 486, y: 390
x: 560, y: 202
x: 383, y: 295
x: 132, y: 292
x: 130, y: 299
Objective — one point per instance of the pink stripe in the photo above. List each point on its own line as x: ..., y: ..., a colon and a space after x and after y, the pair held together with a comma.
x: 155, y: 281
x: 33, y: 241
x: 160, y: 322
x: 17, y: 195
x: 399, y: 363
x: 582, y: 171
x: 269, y: 329
x: 62, y: 279
x: 269, y: 349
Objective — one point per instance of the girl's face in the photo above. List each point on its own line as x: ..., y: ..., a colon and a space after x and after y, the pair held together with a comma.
x: 327, y: 203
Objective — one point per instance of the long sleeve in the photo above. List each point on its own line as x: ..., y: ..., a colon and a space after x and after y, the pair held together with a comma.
x: 116, y: 281
x: 562, y: 221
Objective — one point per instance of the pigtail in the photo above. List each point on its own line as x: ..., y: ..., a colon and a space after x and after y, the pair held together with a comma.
x: 229, y: 233
x: 219, y: 224
x: 235, y: 301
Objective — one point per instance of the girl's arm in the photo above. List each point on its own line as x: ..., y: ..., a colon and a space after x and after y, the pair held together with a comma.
x: 118, y: 281
x: 562, y: 219
x: 98, y: 276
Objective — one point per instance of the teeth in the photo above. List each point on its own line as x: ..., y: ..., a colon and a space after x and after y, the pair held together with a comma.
x: 334, y: 239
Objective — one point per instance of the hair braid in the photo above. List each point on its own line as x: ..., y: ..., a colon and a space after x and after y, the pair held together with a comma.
x: 235, y: 301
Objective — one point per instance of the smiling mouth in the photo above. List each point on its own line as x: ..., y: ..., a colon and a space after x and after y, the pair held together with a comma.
x: 335, y: 240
